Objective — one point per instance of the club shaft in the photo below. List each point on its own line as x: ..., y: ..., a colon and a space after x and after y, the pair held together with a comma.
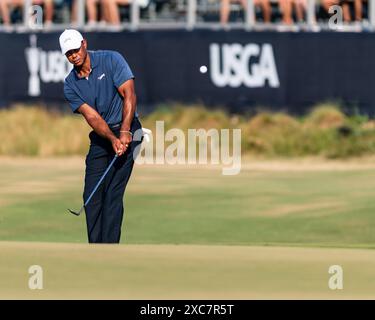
x: 100, y: 181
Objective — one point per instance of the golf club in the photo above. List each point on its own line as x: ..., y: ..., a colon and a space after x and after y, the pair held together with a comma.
x: 96, y: 187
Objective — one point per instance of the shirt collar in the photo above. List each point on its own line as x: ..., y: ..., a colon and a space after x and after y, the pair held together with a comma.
x: 93, y: 59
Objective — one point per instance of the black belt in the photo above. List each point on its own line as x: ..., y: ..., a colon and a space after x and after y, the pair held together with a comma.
x: 118, y: 125
x: 115, y: 126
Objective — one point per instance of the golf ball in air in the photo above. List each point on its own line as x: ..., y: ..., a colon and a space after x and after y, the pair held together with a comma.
x: 203, y: 69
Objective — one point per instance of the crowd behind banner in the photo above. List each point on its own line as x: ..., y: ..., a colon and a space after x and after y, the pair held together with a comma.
x: 112, y: 13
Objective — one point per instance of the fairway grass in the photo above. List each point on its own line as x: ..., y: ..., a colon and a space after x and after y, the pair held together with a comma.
x: 78, y: 271
x: 283, y: 203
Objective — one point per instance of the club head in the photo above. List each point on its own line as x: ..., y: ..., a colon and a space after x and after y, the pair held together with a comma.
x: 75, y: 213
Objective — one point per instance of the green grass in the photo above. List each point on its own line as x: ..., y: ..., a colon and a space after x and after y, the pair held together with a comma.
x: 180, y: 205
x: 192, y: 233
x: 77, y: 271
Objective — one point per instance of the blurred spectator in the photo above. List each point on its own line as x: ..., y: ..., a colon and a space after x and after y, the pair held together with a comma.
x: 286, y: 8
x: 286, y: 11
x: 113, y: 10
x: 301, y: 7
x: 345, y: 5
x: 92, y: 12
x: 7, y: 5
x: 112, y: 7
x: 225, y: 9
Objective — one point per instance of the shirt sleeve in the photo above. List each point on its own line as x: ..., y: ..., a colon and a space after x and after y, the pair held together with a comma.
x: 121, y: 70
x: 74, y: 100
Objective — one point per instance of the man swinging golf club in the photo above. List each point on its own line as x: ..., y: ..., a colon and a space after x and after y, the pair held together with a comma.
x: 101, y: 88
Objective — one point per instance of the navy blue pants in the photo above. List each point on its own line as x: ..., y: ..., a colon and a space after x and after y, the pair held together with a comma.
x: 104, y: 212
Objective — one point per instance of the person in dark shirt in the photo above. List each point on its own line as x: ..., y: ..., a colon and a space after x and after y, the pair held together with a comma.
x: 101, y: 88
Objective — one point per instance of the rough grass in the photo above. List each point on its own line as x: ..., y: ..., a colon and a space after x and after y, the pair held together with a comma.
x: 35, y: 131
x: 325, y: 131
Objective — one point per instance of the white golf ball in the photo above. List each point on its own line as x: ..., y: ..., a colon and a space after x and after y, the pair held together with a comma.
x: 203, y: 69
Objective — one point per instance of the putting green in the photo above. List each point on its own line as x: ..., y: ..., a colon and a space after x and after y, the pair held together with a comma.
x: 78, y: 271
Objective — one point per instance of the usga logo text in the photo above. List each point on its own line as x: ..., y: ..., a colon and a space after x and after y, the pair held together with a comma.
x: 251, y: 65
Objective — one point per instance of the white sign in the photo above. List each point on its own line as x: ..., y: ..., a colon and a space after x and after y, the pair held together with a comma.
x: 252, y: 65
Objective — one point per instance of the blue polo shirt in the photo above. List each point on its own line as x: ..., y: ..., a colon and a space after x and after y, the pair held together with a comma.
x: 109, y: 71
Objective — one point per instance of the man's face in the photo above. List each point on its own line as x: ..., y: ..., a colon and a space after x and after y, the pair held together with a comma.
x: 77, y: 56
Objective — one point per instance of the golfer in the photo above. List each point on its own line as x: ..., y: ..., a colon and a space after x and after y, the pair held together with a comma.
x: 101, y: 88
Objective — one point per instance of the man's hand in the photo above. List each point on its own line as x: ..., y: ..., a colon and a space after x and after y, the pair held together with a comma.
x: 118, y: 147
x: 125, y: 138
x: 100, y: 127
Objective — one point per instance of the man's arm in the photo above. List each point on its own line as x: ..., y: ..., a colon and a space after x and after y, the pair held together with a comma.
x: 127, y: 91
x: 96, y: 122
